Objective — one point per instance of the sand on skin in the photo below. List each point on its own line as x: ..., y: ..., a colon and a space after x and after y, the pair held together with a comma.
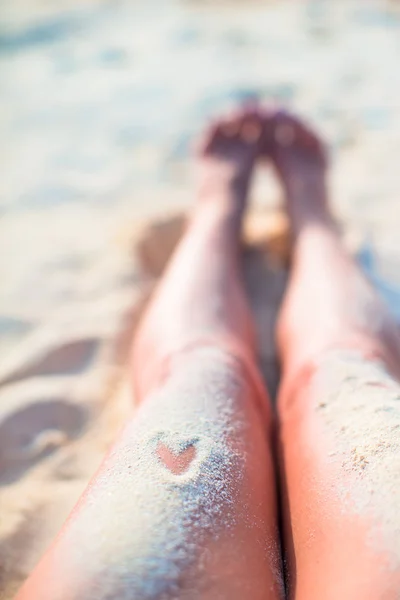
x: 96, y: 136
x: 56, y: 425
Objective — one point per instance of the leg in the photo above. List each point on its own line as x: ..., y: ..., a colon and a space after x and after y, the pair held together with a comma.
x: 339, y: 407
x: 184, y: 505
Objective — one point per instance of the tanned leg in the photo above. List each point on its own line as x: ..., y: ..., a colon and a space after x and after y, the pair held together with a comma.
x: 184, y: 505
x: 339, y: 403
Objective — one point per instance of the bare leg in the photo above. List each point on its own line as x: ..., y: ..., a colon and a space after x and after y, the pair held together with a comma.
x: 339, y: 404
x: 184, y: 505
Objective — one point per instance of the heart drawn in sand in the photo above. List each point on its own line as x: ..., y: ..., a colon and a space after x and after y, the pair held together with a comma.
x: 176, y: 461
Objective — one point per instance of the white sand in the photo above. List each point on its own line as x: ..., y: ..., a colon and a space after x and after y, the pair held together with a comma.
x: 98, y: 104
x: 360, y: 408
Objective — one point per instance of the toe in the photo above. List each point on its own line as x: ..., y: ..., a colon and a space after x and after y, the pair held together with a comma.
x: 291, y: 131
x: 236, y: 125
x: 251, y: 127
x: 239, y: 128
x: 285, y: 134
x: 229, y: 128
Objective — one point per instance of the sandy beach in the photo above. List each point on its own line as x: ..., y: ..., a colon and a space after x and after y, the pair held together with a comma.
x: 100, y: 103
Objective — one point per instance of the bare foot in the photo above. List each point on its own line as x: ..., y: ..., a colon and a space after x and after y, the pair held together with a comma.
x: 300, y: 159
x: 226, y: 157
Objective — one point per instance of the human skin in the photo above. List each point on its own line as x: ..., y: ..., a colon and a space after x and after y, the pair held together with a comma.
x: 184, y: 505
x: 338, y: 404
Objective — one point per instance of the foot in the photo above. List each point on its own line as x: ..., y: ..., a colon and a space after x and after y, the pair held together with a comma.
x: 300, y: 159
x: 226, y: 157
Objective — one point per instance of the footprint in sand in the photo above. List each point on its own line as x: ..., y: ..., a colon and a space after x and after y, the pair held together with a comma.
x: 41, y: 358
x: 32, y: 429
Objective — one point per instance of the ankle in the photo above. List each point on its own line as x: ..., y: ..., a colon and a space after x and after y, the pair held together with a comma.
x: 308, y: 210
x: 222, y: 217
x: 222, y: 200
x: 314, y: 226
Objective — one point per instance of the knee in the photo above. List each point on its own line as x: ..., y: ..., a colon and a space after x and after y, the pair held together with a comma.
x: 336, y: 370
